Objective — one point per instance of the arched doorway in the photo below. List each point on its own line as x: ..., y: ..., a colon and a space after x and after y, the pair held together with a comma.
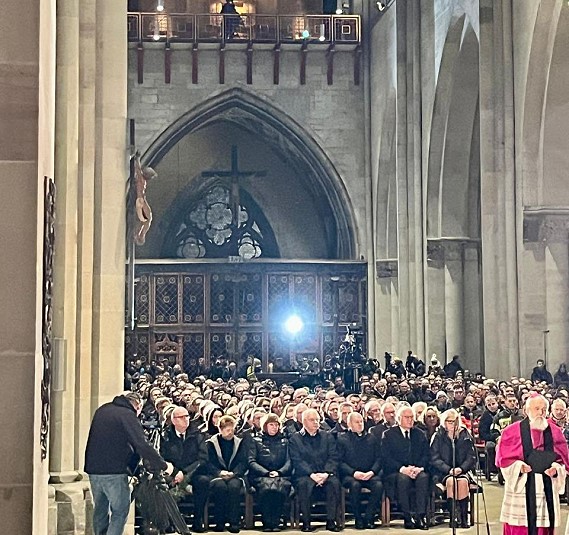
x: 241, y: 184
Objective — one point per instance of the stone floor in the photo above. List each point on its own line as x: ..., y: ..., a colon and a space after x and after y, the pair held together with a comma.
x: 493, y: 495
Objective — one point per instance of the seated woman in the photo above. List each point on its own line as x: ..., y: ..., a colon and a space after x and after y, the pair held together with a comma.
x: 270, y: 470
x: 227, y: 464
x: 453, y: 475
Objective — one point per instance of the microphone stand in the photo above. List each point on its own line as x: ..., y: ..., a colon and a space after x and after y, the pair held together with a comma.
x: 478, y: 480
x: 454, y: 481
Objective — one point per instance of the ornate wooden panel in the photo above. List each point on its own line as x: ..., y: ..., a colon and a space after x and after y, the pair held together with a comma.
x: 250, y: 299
x: 193, y: 299
x: 193, y: 349
x: 251, y: 343
x: 166, y: 299
x: 142, y: 300
x: 242, y: 309
x: 222, y: 288
x: 221, y: 342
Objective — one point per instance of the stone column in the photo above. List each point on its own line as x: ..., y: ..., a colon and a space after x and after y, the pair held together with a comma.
x: 435, y: 301
x: 454, y: 299
x: 555, y: 233
x: 111, y: 172
x: 26, y: 156
x: 387, y: 306
x: 498, y: 195
x: 473, y: 335
x: 62, y: 446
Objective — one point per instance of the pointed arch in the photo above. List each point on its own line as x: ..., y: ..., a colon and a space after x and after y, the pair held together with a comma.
x: 287, y: 137
x: 452, y: 210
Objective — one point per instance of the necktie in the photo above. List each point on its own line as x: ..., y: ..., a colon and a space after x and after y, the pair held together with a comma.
x: 406, y: 435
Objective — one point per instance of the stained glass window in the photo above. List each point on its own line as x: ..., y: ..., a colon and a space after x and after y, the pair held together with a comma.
x: 210, y: 228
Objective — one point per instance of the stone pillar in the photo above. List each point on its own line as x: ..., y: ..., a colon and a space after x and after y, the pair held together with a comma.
x: 62, y: 446
x: 473, y: 334
x: 435, y: 301
x: 453, y: 293
x: 554, y: 232
x: 454, y: 299
x: 111, y: 172
x: 387, y: 306
x: 26, y: 156
x: 498, y: 195
x: 92, y: 170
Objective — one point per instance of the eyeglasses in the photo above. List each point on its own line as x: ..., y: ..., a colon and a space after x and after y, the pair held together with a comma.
x: 182, y: 416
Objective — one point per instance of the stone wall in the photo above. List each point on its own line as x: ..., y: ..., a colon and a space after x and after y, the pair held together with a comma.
x: 332, y: 115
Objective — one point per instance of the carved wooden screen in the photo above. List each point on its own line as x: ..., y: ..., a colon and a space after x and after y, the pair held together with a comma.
x: 194, y: 310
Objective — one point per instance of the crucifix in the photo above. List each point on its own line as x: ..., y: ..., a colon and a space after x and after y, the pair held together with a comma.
x: 139, y: 217
x: 234, y: 174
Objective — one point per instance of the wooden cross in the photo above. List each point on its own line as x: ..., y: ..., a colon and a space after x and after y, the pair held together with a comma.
x: 234, y: 174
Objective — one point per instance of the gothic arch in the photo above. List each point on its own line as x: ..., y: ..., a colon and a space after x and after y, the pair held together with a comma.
x: 453, y: 179
x: 541, y: 52
x: 287, y: 137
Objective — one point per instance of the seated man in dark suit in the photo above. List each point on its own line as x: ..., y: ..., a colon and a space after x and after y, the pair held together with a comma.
x: 405, y: 451
x: 186, y: 450
x: 360, y: 467
x: 315, y: 463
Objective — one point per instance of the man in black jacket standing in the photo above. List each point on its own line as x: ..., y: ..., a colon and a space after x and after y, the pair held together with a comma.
x: 115, y: 435
x: 315, y: 462
x: 360, y: 467
x: 405, y: 451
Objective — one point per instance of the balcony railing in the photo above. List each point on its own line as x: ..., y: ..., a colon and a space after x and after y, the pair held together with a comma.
x: 212, y: 28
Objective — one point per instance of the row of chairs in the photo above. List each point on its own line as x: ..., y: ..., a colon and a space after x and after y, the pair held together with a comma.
x: 389, y: 510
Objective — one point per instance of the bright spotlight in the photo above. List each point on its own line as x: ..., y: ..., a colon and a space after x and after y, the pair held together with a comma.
x: 339, y: 11
x: 305, y: 34
x: 293, y: 325
x: 160, y: 5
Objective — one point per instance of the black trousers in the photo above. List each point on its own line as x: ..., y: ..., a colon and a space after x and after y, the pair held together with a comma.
x: 226, y: 494
x: 355, y: 486
x: 305, y: 488
x: 272, y: 504
x: 200, y: 491
x: 406, y: 485
x: 490, y: 450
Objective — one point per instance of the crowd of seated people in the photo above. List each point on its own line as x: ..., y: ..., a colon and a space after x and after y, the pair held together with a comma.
x: 391, y: 437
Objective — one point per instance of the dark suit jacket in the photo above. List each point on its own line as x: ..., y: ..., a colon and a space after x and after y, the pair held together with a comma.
x: 188, y: 455
x: 310, y: 455
x: 397, y: 451
x: 359, y: 452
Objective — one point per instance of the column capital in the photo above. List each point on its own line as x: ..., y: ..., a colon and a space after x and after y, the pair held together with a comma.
x: 387, y: 268
x: 546, y: 225
x: 449, y: 249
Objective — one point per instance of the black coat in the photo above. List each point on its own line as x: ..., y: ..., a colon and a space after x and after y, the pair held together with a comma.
x: 359, y: 452
x: 114, y: 436
x: 188, y: 455
x: 398, y: 451
x: 268, y: 454
x: 441, y: 453
x: 484, y: 426
x: 238, y: 463
x: 313, y: 454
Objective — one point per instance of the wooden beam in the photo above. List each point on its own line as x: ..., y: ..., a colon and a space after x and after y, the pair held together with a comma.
x: 303, y: 54
x: 222, y: 63
x: 250, y: 62
x: 357, y: 64
x: 140, y: 62
x: 167, y: 63
x: 195, y: 63
x: 276, y: 63
x: 330, y: 60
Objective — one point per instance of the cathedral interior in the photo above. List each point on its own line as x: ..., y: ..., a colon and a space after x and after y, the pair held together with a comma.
x: 399, y: 166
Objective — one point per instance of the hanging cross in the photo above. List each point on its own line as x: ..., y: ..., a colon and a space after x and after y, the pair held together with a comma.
x: 234, y: 174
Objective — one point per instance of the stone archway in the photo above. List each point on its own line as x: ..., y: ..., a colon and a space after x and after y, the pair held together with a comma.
x: 286, y: 137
